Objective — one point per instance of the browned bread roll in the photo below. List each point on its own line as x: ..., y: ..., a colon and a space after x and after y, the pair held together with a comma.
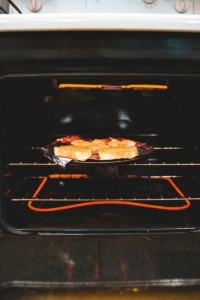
x: 117, y: 153
x: 123, y: 143
x: 97, y: 147
x: 81, y: 143
x: 73, y: 152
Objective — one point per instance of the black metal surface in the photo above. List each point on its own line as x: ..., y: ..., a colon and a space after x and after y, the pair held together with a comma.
x: 101, y: 53
x: 117, y: 260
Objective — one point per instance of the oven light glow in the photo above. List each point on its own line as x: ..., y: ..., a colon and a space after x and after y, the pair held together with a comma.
x: 104, y: 86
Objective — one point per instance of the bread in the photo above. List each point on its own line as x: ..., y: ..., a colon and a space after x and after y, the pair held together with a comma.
x: 97, y: 144
x: 114, y: 143
x: 96, y: 147
x: 117, y: 153
x: 73, y: 152
x: 98, y: 141
x: 123, y: 143
x: 81, y: 143
x: 103, y: 148
x: 127, y: 143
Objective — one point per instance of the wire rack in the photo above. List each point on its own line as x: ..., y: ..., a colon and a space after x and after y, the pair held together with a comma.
x: 161, y: 156
x: 80, y: 187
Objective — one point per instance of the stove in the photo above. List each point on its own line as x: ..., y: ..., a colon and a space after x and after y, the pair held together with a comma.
x: 100, y: 69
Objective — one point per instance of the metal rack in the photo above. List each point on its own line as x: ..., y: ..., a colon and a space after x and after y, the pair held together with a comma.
x: 161, y: 156
x: 70, y: 188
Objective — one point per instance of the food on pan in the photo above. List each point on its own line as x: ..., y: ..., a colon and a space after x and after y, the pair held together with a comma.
x: 114, y: 143
x: 73, y: 152
x: 94, y: 145
x: 81, y: 143
x: 98, y: 141
x: 96, y: 151
x: 123, y: 143
x: 101, y: 149
x: 97, y: 147
x: 127, y: 143
x: 117, y: 153
x: 98, y: 144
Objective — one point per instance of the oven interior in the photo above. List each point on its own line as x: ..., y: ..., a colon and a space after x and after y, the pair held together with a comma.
x: 158, y: 193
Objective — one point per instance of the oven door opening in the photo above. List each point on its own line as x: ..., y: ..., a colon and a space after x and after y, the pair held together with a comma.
x: 159, y: 193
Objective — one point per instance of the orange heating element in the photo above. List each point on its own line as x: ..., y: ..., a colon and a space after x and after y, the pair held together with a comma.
x: 100, y: 86
x: 113, y: 202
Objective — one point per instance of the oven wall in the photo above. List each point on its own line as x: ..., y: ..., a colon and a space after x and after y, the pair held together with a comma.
x: 33, y: 106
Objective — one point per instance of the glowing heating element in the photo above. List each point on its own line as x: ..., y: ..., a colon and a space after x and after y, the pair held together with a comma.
x: 80, y: 86
x: 101, y: 86
x: 145, y: 86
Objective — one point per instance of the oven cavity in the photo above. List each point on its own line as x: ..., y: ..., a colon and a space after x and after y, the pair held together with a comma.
x: 158, y: 193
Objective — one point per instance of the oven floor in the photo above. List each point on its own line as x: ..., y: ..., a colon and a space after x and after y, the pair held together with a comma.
x: 88, y: 265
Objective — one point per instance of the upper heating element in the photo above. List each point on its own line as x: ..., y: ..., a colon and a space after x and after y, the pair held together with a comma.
x: 107, y: 6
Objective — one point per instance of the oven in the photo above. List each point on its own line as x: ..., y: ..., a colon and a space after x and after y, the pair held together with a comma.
x: 100, y: 228
x: 157, y: 193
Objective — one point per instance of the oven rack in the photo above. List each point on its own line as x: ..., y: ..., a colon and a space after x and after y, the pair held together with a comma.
x: 81, y: 188
x: 161, y: 156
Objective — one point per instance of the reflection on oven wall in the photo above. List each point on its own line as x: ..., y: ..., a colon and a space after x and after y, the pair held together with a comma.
x: 100, y: 111
x: 37, y: 106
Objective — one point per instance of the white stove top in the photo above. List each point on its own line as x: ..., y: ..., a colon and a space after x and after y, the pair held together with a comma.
x: 138, y: 15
